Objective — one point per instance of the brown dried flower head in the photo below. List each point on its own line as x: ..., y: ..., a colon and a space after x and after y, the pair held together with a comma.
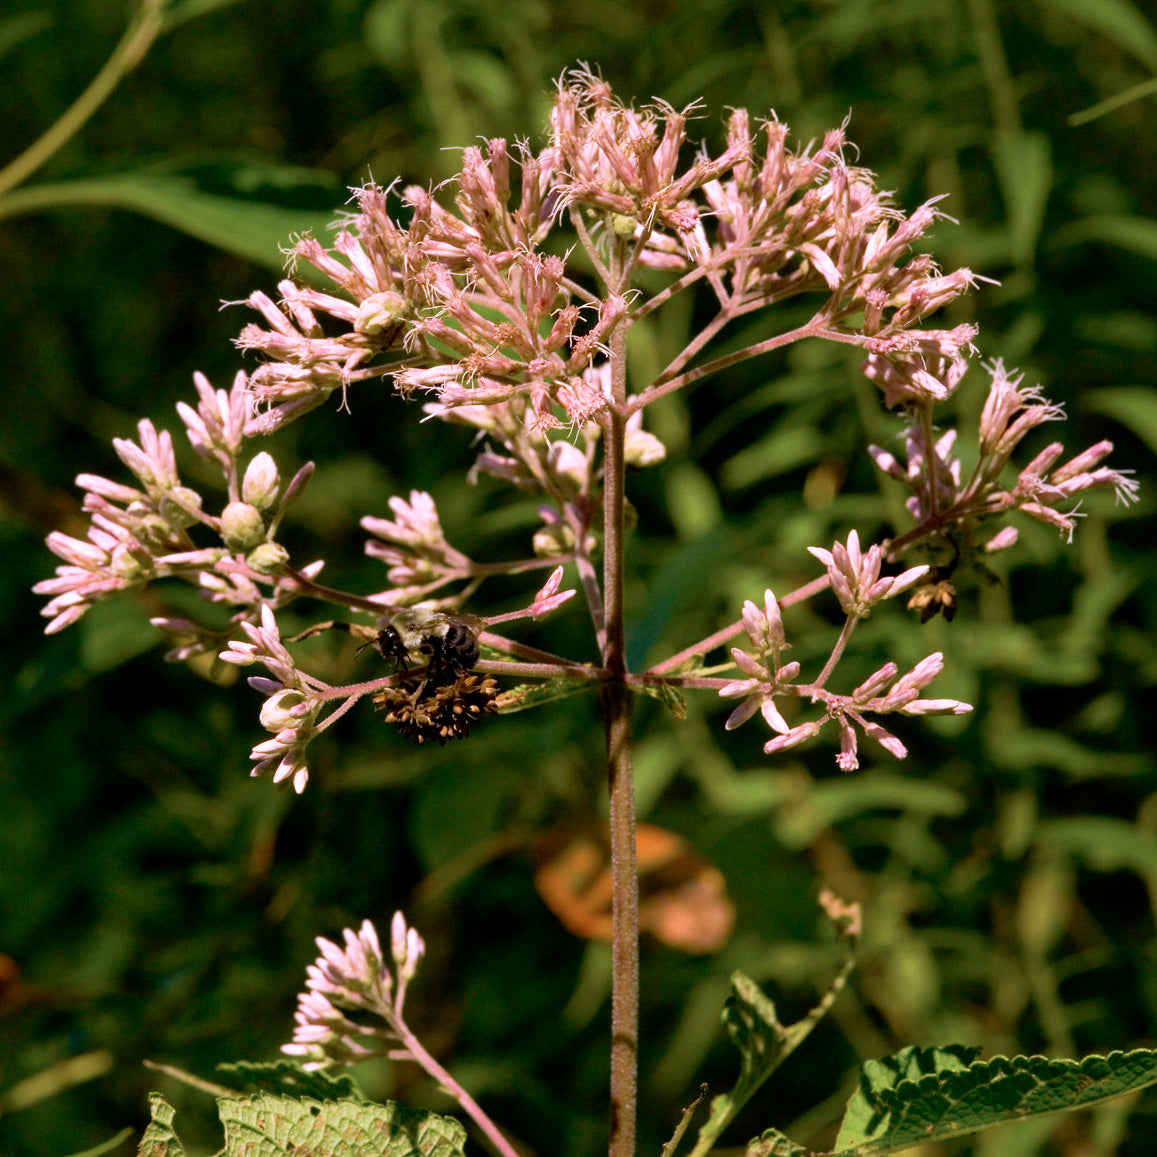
x: 421, y: 711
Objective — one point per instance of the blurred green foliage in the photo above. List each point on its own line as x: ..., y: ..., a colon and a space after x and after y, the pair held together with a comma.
x: 158, y: 904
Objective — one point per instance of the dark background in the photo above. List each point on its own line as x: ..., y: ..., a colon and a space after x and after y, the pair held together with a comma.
x: 158, y: 904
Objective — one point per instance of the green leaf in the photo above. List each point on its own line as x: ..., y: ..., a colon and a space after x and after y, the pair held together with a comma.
x: 1116, y: 20
x: 671, y: 697
x: 271, y: 1126
x: 288, y: 1078
x: 527, y: 695
x: 1037, y: 747
x: 1104, y: 843
x: 1135, y: 407
x: 16, y: 30
x: 827, y: 803
x: 267, y: 1126
x: 109, y: 1146
x: 1133, y: 234
x: 232, y: 207
x: 114, y: 632
x: 1024, y: 165
x: 922, y: 1095
x: 1133, y: 93
x: 763, y: 1043
x: 754, y: 1028
x: 159, y: 1140
x: 785, y: 448
x: 772, y: 1143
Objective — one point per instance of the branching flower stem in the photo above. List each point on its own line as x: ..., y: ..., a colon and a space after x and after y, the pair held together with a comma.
x: 734, y: 630
x: 660, y: 388
x: 837, y: 651
x: 589, y: 579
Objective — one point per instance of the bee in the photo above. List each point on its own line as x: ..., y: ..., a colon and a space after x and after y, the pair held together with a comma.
x: 449, y: 640
x: 444, y: 701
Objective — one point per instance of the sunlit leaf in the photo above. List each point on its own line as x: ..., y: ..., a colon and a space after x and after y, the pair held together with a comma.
x: 159, y: 1139
x: 922, y: 1095
x: 271, y: 1126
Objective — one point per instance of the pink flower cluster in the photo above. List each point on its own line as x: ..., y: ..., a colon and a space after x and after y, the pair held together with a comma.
x: 854, y: 576
x: 943, y: 499
x: 355, y: 978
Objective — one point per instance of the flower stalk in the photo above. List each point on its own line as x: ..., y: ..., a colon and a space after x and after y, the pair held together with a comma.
x: 616, y: 706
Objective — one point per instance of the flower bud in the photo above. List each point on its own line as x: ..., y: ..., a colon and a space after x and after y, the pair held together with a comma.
x: 261, y: 482
x: 641, y: 449
x: 298, y: 483
x: 126, y: 564
x: 379, y: 311
x: 624, y: 225
x: 569, y: 465
x: 178, y: 505
x: 154, y: 531
x: 268, y: 558
x: 242, y: 526
x: 552, y: 540
x: 277, y: 712
x: 1002, y: 539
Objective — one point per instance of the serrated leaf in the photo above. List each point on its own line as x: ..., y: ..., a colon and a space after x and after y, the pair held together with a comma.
x: 773, y: 1143
x: 288, y: 1078
x: 763, y: 1042
x: 265, y: 1125
x: 269, y: 1126
x: 527, y: 695
x: 669, y: 696
x: 921, y: 1095
x: 159, y: 1140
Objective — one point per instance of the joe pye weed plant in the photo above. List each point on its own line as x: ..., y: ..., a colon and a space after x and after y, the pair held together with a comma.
x: 505, y: 303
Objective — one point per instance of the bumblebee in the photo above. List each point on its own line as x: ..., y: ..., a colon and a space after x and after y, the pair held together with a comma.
x: 445, y: 701
x: 449, y: 641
